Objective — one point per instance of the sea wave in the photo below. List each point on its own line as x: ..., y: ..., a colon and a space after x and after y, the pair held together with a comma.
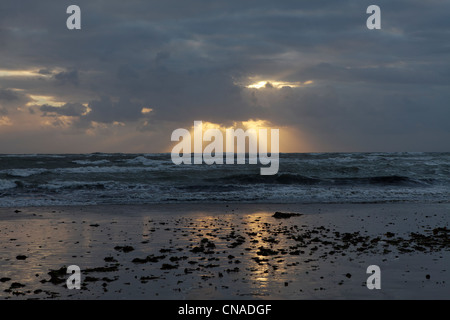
x: 24, y: 172
x: 148, y: 160
x: 7, y: 184
x: 285, y: 178
x: 152, y: 178
x: 103, y: 169
x: 91, y: 162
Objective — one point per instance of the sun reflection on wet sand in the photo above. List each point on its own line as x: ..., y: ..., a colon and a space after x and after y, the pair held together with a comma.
x: 223, y: 249
x: 174, y: 253
x: 270, y: 271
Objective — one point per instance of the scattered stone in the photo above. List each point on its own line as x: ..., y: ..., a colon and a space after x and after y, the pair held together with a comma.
x: 109, y: 259
x: 167, y: 266
x: 101, y: 269
x: 150, y: 258
x: 198, y: 249
x: 285, y: 215
x: 266, y: 252
x: 147, y: 278
x: 238, y: 240
x: 124, y: 249
x: 57, y: 276
x: 21, y: 257
x: 174, y: 259
x: 91, y: 279
x: 16, y: 285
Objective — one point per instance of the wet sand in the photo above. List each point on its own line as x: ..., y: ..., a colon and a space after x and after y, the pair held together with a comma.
x: 226, y: 251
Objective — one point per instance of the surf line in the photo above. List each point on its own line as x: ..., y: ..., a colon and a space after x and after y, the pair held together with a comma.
x: 213, y: 152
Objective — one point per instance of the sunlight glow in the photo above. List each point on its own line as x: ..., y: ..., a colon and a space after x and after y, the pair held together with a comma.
x: 269, y: 84
x: 41, y: 100
x: 5, y: 121
x: 146, y: 110
x: 58, y: 122
x: 21, y: 73
x: 249, y: 124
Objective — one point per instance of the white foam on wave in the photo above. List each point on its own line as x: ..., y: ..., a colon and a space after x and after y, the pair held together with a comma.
x: 6, y: 184
x: 82, y: 162
x: 58, y: 184
x: 108, y: 169
x: 24, y: 172
x: 144, y: 161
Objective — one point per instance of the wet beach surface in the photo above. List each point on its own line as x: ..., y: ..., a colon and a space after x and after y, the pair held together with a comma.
x: 226, y: 251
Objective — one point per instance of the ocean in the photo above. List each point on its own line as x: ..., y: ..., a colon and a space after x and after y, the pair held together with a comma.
x: 102, y: 179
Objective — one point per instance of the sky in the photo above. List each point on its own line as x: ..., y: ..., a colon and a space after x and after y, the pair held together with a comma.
x: 138, y: 70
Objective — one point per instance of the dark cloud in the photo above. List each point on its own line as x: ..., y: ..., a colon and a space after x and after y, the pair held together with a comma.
x: 67, y: 77
x: 107, y: 111
x: 45, y: 71
x: 162, y: 56
x: 10, y: 99
x: 8, y: 95
x: 68, y: 109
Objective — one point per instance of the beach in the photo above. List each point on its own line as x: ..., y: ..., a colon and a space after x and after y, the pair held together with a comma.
x: 226, y: 251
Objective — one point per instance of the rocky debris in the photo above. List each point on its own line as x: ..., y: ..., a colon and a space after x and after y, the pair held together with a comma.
x: 167, y: 266
x: 16, y: 285
x: 124, y: 249
x: 175, y: 259
x: 238, y: 239
x: 266, y: 252
x: 273, y: 249
x: 150, y: 258
x: 102, y: 269
x: 145, y: 279
x: 206, y: 246
x: 285, y: 215
x: 439, y: 239
x: 109, y: 259
x: 91, y: 279
x: 13, y: 286
x: 57, y: 276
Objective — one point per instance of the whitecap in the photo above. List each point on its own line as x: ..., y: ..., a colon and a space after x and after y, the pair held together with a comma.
x: 96, y: 162
x: 25, y: 172
x: 7, y: 184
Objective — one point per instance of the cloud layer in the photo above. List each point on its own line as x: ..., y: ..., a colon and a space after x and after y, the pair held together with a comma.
x: 358, y: 89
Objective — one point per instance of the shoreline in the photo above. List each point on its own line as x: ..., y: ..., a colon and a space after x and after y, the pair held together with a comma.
x: 226, y: 251
x: 216, y: 207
